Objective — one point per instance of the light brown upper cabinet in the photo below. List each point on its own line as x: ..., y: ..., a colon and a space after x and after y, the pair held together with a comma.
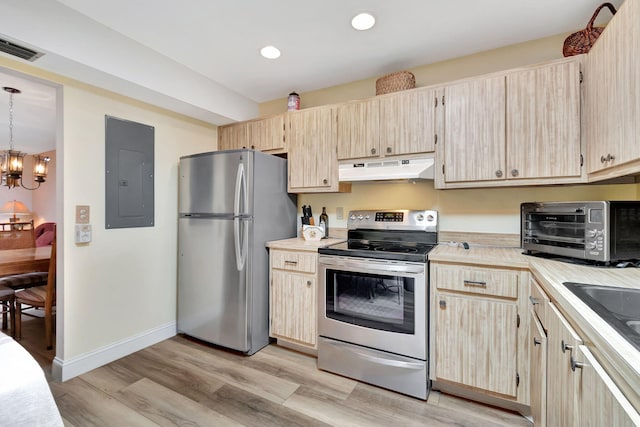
x: 358, y: 129
x: 388, y: 125
x: 407, y: 122
x: 515, y: 128
x: 612, y: 97
x: 267, y: 134
x: 312, y: 158
x: 232, y: 137
x: 543, y: 121
x: 474, y: 131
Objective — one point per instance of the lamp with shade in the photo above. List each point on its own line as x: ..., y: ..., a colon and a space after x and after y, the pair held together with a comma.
x: 14, y: 207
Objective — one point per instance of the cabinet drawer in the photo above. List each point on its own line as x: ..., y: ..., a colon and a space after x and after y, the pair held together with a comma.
x: 294, y: 261
x: 539, y: 301
x: 477, y: 280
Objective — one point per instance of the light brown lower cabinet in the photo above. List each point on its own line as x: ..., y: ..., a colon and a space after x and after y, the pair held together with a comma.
x: 538, y: 342
x: 600, y: 401
x: 292, y: 296
x: 569, y: 387
x: 478, y: 334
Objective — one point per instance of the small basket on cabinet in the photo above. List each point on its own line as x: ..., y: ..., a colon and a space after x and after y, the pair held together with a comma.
x: 394, y: 82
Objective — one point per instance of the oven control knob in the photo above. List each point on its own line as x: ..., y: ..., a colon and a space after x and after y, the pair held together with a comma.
x: 360, y: 217
x: 419, y: 217
x: 591, y: 233
x: 590, y: 245
x: 366, y: 217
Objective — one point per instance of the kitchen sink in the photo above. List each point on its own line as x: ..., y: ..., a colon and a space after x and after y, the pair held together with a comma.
x: 620, y: 307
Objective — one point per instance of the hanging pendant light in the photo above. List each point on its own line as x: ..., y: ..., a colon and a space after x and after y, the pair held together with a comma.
x: 11, y: 161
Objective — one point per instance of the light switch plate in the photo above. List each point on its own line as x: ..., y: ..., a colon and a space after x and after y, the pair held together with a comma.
x: 83, y: 233
x: 83, y: 214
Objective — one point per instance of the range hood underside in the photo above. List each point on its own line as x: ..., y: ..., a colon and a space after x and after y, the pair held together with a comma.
x: 383, y: 169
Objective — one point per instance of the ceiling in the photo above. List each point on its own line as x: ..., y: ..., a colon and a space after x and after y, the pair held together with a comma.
x: 201, y: 57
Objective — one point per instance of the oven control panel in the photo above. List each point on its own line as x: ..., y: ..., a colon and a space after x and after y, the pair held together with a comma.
x: 393, y: 220
x: 390, y: 216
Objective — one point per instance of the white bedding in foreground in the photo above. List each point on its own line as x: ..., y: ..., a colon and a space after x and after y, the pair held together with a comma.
x: 25, y: 397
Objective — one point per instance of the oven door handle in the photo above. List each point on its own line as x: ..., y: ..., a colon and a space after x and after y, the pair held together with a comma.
x: 370, y: 266
x: 380, y: 360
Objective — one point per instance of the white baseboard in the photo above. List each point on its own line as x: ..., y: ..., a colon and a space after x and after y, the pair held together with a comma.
x: 64, y: 370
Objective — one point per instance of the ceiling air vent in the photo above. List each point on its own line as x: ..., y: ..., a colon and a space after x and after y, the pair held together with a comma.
x: 19, y: 51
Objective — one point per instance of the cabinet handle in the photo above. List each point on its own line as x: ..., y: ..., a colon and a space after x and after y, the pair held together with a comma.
x: 373, y: 151
x: 253, y: 147
x: 575, y: 364
x: 536, y: 341
x: 325, y: 181
x: 514, y: 172
x: 565, y: 347
x: 474, y: 283
x: 533, y: 300
x: 389, y: 150
x: 291, y: 262
x: 308, y: 282
x: 608, y: 158
x: 499, y: 173
x: 443, y: 304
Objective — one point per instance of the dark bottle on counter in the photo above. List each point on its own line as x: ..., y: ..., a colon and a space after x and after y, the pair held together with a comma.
x: 324, y: 218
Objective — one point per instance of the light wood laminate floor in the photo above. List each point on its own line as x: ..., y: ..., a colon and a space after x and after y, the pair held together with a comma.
x: 184, y: 382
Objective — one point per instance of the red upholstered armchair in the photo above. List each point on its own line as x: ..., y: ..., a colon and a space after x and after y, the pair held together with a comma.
x: 44, y: 234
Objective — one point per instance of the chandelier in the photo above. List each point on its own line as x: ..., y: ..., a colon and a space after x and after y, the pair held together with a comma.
x: 11, y: 161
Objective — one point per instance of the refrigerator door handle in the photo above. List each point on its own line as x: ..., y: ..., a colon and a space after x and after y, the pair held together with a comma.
x: 241, y: 241
x: 241, y: 187
x: 241, y: 237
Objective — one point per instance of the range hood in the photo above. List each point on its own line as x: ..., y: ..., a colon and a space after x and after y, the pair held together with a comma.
x: 387, y: 169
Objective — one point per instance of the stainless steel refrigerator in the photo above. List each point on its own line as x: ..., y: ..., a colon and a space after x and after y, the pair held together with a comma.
x: 230, y: 204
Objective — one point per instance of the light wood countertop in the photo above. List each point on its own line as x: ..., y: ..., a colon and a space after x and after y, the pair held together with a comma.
x: 619, y: 357
x: 482, y: 255
x: 299, y: 244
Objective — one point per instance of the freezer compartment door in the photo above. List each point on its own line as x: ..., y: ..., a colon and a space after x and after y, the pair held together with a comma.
x: 216, y: 183
x: 212, y: 289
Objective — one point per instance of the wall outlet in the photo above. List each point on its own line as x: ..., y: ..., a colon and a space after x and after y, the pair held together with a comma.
x: 340, y: 213
x: 83, y: 214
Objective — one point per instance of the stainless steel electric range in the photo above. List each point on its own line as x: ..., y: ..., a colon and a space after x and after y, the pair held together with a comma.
x: 374, y: 300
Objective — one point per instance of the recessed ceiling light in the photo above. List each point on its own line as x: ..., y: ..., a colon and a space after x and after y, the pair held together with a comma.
x: 363, y: 21
x: 270, y: 52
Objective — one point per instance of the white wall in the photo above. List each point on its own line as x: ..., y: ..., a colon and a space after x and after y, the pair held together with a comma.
x: 44, y: 198
x: 123, y: 283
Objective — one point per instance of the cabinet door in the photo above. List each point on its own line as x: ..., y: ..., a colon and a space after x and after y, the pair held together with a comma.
x: 312, y: 160
x: 600, y: 402
x: 476, y: 343
x: 474, y: 130
x: 293, y: 307
x: 232, y: 137
x: 358, y: 129
x: 543, y: 122
x: 266, y: 134
x: 407, y: 122
x: 612, y: 93
x: 562, y: 343
x: 538, y: 342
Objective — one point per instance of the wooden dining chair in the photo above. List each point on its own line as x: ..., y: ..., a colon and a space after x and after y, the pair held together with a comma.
x: 7, y: 307
x: 39, y: 297
x: 17, y: 235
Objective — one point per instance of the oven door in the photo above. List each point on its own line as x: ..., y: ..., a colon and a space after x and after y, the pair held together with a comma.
x: 379, y: 304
